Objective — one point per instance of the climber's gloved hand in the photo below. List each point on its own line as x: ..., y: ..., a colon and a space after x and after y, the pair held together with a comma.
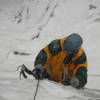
x: 39, y: 73
x: 74, y: 82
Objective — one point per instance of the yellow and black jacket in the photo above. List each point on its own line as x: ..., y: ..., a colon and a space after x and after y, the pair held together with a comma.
x: 60, y: 65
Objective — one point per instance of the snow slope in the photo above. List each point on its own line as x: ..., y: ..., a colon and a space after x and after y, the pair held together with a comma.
x: 28, y: 25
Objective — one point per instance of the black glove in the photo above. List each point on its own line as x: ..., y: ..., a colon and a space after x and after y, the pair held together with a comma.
x: 40, y: 73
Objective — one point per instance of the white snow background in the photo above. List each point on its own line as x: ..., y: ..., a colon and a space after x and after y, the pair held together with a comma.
x: 28, y: 25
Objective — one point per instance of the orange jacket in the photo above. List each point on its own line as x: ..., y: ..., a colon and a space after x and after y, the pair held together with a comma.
x: 56, y: 64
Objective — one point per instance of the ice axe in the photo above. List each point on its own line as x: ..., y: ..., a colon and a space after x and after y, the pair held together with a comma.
x: 22, y: 72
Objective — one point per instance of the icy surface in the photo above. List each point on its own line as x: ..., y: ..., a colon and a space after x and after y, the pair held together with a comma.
x: 28, y: 25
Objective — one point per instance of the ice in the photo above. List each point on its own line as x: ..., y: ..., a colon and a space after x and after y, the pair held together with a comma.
x: 28, y: 25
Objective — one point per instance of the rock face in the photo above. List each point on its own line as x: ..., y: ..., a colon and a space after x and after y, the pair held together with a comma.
x: 28, y: 25
x: 39, y: 16
x: 37, y: 11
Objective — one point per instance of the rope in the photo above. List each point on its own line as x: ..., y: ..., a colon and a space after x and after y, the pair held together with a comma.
x: 36, y: 89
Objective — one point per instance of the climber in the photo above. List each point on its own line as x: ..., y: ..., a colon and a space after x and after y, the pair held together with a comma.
x: 63, y: 60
